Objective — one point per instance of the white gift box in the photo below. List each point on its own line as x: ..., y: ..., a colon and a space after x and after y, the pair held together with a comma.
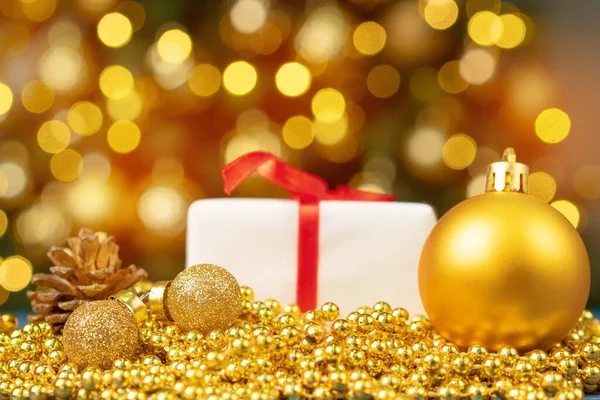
x: 368, y: 251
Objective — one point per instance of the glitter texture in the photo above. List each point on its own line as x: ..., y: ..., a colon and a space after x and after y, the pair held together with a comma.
x: 99, y: 332
x: 204, y: 297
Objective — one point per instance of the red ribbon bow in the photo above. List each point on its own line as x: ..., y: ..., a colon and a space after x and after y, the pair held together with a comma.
x: 309, y: 190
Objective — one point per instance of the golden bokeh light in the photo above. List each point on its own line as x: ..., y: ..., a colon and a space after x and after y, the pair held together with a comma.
x: 552, y: 125
x: 64, y: 33
x: 53, y: 136
x: 441, y: 14
x: 3, y: 223
x: 476, y: 186
x: 162, y: 209
x: 37, y: 97
x: 43, y: 224
x: 293, y: 79
x: 66, y: 165
x: 174, y: 46
x: 6, y: 98
x: 459, y: 151
x: 126, y: 108
x: 15, y: 273
x: 115, y: 30
x: 514, y: 31
x: 96, y: 167
x: 85, y: 118
x: 38, y: 10
x: 96, y: 7
x: 135, y: 12
x: 586, y: 182
x: 298, y: 132
x: 258, y: 138
x: 383, y: 81
x: 425, y: 147
x: 124, y: 136
x: 342, y: 152
x: 61, y: 67
x: 90, y: 201
x: 4, y: 294
x: 13, y: 178
x: 328, y: 105
x: 569, y: 210
x: 477, y: 66
x: 369, y: 38
x: 331, y: 133
x: 205, y: 80
x: 116, y: 82
x: 485, y: 28
x: 542, y: 185
x: 424, y: 84
x: 450, y: 79
x: 239, y: 78
x: 248, y: 16
x: 322, y: 35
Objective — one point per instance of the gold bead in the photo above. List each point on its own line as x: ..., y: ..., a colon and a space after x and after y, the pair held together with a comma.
x: 292, y: 309
x: 416, y: 393
x: 448, y: 351
x: 421, y: 347
x: 377, y: 348
x: 20, y: 393
x: 273, y: 305
x: 91, y: 378
x: 285, y: 320
x: 502, y: 386
x: 52, y: 344
x: 355, y: 358
x: 247, y: 293
x: 151, y: 360
x: 31, y: 331
x: 38, y: 392
x: 477, y: 353
x: 590, y: 352
x: 419, y: 379
x: 462, y: 365
x: 492, y: 367
x: 374, y: 366
x: 8, y: 322
x: 216, y: 340
x: 352, y: 318
x: 508, y: 355
x: 477, y: 391
x: 591, y: 374
x: 63, y: 388
x: 447, y: 392
x: 552, y: 381
x: 365, y: 324
x: 459, y: 383
x: 330, y: 311
x: 314, y: 333
x: 567, y: 367
x: 558, y: 354
x: 386, y: 322
x: 57, y: 358
x: 539, y: 359
x: 523, y: 371
x: 291, y: 335
x: 338, y: 381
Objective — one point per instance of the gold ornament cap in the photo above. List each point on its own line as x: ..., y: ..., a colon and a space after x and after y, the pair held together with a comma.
x: 156, y: 300
x: 133, y: 303
x: 507, y: 175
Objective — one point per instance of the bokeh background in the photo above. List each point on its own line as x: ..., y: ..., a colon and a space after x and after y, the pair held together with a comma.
x: 115, y: 115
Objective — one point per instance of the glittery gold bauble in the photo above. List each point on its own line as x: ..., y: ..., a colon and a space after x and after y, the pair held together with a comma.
x: 504, y: 268
x: 99, y: 332
x: 204, y: 297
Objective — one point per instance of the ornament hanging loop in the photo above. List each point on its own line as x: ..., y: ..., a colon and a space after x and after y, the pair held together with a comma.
x: 507, y: 175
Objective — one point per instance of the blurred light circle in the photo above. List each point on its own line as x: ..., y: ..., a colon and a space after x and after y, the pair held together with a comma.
x: 459, y: 151
x: 85, y: 118
x: 115, y: 30
x: 205, y: 80
x: 331, y: 133
x: 342, y: 152
x: 66, y: 165
x: 383, y: 81
x: 6, y: 98
x: 4, y: 294
x: 14, y: 150
x: 293, y: 79
x: 552, y: 125
x: 43, y: 224
x: 542, y: 186
x: 586, y: 182
x: 15, y: 177
x: 124, y: 136
x: 96, y: 166
x: 116, y: 82
x: 15, y: 273
x: 322, y: 35
x: 328, y: 105
x: 450, y: 79
x: 239, y: 78
x: 369, y: 38
x: 569, y: 210
x: 251, y: 120
x: 135, y: 12
x: 38, y: 10
x: 298, y: 132
x: 248, y: 16
x: 476, y: 186
x: 53, y: 136
x: 514, y: 31
x: 477, y: 66
x: 174, y: 46
x: 64, y: 33
x: 3, y: 223
x: 162, y: 210
x: 90, y: 201
x: 126, y: 108
x: 425, y: 146
x: 254, y: 139
x: 61, y: 67
x: 37, y: 97
x: 441, y: 14
x: 485, y: 28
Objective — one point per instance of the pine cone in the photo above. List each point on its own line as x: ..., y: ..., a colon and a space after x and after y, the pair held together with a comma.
x: 89, y: 269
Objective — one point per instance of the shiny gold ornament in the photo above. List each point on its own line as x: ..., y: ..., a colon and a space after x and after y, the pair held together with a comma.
x: 99, y: 332
x: 504, y: 268
x: 204, y: 297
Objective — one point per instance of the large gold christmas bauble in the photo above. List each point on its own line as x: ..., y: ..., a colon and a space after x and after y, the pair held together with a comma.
x: 504, y: 268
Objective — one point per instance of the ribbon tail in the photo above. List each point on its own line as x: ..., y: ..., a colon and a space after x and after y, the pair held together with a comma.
x: 241, y: 168
x: 308, y: 256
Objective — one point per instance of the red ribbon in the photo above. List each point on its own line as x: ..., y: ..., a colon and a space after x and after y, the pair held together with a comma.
x: 309, y: 190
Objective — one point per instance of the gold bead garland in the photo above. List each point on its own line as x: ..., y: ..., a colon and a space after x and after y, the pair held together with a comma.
x: 273, y: 352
